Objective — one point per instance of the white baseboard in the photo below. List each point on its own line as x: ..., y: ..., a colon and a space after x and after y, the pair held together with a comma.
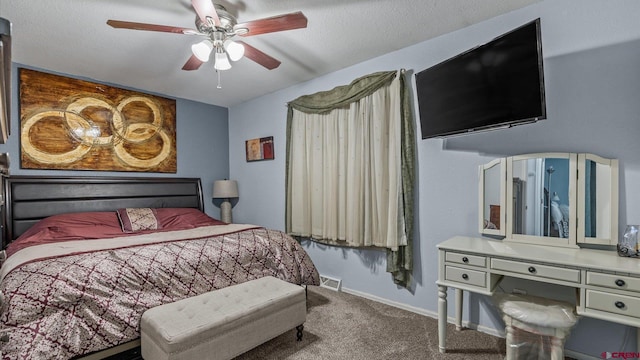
x: 421, y: 311
x: 466, y: 324
x: 396, y: 304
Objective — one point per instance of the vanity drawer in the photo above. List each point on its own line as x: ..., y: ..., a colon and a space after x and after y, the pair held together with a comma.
x: 465, y: 276
x: 546, y: 271
x: 613, y: 281
x: 613, y: 303
x: 466, y: 259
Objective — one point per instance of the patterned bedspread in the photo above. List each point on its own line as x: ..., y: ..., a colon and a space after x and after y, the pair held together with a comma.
x: 63, y: 306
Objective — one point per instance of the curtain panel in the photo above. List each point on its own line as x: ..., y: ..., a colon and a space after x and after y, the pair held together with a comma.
x: 350, y: 168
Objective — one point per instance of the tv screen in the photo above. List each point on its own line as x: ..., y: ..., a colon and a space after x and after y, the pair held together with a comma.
x: 497, y: 84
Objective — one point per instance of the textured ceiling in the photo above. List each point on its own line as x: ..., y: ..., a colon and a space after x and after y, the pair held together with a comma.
x: 71, y: 37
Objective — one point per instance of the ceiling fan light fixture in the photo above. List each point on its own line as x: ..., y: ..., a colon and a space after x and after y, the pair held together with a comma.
x: 222, y: 62
x: 219, y: 26
x: 202, y: 50
x: 234, y: 50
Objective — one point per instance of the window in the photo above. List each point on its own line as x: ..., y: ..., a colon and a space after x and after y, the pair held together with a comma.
x: 350, y: 168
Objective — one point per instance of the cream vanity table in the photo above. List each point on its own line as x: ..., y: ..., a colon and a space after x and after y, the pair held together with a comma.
x: 560, y: 204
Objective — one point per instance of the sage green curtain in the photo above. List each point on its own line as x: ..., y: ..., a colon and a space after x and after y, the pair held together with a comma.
x: 399, y: 263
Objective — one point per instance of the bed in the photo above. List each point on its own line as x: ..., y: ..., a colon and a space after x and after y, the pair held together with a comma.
x: 86, y: 256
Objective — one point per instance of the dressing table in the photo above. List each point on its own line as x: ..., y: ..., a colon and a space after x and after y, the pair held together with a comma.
x: 541, y: 246
x: 608, y: 286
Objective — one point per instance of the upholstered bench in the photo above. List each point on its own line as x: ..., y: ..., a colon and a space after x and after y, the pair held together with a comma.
x: 224, y: 323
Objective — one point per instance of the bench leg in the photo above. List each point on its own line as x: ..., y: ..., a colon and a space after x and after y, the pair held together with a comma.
x: 299, y: 333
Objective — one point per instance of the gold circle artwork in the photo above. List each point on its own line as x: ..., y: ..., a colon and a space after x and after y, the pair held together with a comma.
x: 74, y: 124
x: 45, y: 157
x: 88, y: 135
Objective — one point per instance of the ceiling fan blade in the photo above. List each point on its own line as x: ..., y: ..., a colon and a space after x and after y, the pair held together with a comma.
x: 151, y: 27
x: 204, y: 9
x: 259, y: 57
x: 192, y: 64
x: 290, y: 21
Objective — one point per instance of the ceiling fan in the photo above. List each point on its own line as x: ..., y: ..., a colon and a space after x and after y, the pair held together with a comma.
x: 221, y: 29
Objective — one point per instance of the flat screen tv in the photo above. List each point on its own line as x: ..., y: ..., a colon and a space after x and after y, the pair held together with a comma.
x: 498, y: 84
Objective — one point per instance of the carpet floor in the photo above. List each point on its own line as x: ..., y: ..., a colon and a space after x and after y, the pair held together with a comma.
x: 345, y: 326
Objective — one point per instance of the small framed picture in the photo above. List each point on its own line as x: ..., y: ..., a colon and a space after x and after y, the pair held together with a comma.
x: 260, y: 149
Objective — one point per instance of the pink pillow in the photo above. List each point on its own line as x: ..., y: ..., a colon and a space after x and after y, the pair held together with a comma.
x: 184, y: 218
x: 103, y: 225
x: 72, y: 226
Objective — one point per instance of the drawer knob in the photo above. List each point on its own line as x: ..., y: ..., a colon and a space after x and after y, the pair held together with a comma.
x: 465, y: 259
x: 532, y: 269
x: 619, y: 304
x: 465, y: 276
x: 620, y: 282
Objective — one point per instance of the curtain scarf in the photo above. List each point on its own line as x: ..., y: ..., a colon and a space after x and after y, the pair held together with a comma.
x: 342, y: 99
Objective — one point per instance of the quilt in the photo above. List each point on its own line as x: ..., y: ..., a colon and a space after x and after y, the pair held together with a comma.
x: 63, y: 300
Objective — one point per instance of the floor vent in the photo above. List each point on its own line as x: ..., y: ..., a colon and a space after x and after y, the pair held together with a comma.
x: 330, y: 283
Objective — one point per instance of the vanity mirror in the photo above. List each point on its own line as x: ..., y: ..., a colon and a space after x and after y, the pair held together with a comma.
x: 492, y: 197
x: 543, y: 198
x: 555, y: 199
x: 598, y: 190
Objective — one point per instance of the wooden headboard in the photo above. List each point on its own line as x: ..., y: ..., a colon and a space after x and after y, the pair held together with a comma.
x: 29, y: 199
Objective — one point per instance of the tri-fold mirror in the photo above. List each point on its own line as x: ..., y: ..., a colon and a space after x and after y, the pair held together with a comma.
x: 555, y: 199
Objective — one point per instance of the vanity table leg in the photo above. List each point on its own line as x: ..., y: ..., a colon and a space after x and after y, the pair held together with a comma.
x: 442, y: 318
x: 459, y: 300
x: 557, y: 352
x: 509, y: 340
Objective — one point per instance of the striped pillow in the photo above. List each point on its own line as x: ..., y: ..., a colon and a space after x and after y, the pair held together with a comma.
x: 138, y: 219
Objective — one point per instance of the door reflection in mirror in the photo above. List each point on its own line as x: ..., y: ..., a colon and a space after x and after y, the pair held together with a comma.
x: 541, y: 197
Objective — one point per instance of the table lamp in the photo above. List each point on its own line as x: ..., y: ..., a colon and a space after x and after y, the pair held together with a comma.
x: 225, y: 189
x: 4, y: 163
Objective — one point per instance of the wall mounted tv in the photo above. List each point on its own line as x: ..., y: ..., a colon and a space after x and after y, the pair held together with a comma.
x: 498, y: 84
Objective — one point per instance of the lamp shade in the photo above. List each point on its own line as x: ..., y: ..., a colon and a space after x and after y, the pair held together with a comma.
x: 222, y: 62
x: 224, y: 189
x: 4, y: 162
x: 202, y: 50
x: 234, y: 50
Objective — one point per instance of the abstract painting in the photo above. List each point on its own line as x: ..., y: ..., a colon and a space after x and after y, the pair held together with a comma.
x: 260, y: 149
x: 72, y: 124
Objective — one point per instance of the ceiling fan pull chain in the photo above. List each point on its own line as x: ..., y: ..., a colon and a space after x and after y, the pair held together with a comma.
x: 219, y: 86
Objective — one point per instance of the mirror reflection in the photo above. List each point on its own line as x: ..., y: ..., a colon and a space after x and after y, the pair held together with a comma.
x: 491, y: 199
x: 597, y: 200
x: 541, y: 197
x: 553, y: 198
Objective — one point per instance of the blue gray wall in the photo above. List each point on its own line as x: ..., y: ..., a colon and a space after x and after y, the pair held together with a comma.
x: 202, y: 137
x: 593, y: 84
